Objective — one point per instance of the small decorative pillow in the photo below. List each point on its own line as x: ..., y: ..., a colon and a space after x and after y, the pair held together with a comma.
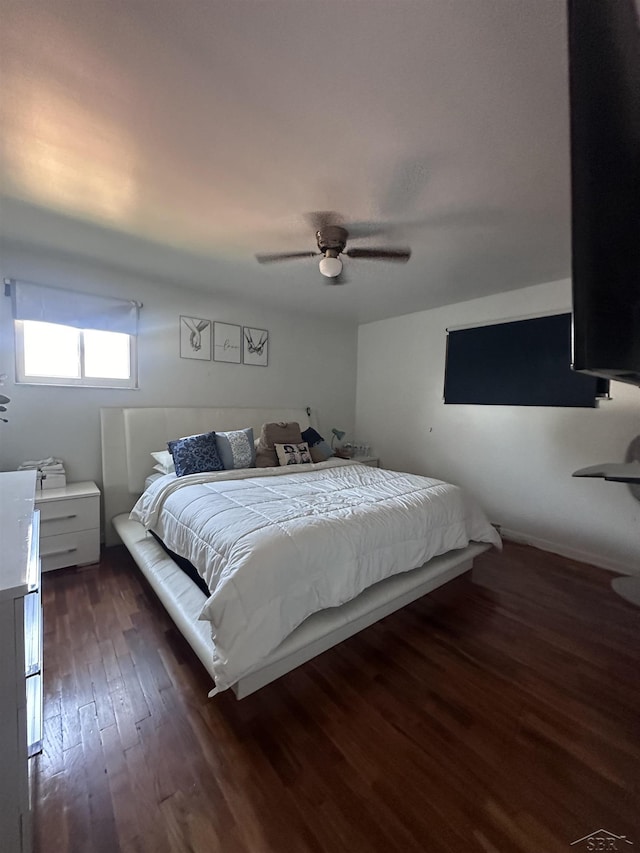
x: 318, y: 447
x: 164, y: 462
x: 162, y: 470
x: 236, y: 449
x: 311, y: 436
x: 293, y: 454
x: 282, y: 433
x: 195, y: 454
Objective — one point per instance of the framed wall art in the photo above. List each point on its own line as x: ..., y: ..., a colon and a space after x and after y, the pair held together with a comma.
x: 255, y: 343
x: 227, y: 343
x: 195, y: 338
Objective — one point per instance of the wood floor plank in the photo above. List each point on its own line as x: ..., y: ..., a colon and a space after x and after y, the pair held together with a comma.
x: 104, y: 834
x: 135, y: 694
x: 101, y: 694
x: 51, y: 759
x: 69, y: 704
x: 499, y: 714
x: 52, y: 790
x: 73, y: 805
x: 125, y: 807
x: 152, y: 834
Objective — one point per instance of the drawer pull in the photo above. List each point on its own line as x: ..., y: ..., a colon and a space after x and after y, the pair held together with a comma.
x: 59, y: 517
x: 58, y: 552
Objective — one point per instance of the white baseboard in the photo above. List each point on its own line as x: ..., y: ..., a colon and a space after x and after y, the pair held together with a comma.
x: 572, y: 553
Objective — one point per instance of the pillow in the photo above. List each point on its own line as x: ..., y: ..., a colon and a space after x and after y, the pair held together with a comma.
x: 164, y: 462
x: 321, y: 452
x: 272, y: 433
x: 293, y: 454
x: 236, y: 448
x: 195, y: 454
x: 318, y: 447
x: 311, y: 436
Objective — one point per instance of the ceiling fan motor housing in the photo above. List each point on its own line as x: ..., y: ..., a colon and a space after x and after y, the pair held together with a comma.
x: 332, y: 239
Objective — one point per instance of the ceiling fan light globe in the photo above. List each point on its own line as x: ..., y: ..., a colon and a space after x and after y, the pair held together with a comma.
x: 331, y: 267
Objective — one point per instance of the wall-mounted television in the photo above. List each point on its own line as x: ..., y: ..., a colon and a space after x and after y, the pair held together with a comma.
x: 604, y: 75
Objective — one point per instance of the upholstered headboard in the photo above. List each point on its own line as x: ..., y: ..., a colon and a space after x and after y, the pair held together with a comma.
x: 129, y: 435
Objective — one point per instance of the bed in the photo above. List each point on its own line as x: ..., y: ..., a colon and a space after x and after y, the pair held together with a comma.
x: 262, y: 648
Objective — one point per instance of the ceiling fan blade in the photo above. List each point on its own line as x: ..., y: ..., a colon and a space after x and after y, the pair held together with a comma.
x: 402, y: 228
x: 357, y: 230
x: 398, y: 255
x: 287, y: 256
x: 319, y: 219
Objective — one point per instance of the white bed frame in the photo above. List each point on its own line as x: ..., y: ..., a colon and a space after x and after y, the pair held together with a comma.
x: 129, y: 435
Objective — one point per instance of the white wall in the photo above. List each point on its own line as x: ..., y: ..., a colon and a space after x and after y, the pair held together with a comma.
x: 516, y: 460
x: 311, y: 362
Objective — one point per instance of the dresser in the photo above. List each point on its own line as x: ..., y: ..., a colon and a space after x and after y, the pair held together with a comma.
x: 69, y: 525
x: 20, y: 655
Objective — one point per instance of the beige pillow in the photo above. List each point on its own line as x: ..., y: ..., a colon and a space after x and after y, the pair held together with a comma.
x: 272, y: 434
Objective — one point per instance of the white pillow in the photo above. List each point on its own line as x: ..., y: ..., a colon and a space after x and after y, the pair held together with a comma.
x: 164, y: 462
x: 161, y: 469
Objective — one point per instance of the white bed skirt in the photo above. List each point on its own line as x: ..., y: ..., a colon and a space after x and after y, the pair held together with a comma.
x: 183, y: 601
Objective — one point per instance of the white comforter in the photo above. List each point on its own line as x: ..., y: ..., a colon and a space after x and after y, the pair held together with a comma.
x: 275, y: 546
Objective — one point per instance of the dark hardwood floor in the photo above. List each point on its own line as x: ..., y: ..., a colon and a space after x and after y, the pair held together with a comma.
x: 501, y: 713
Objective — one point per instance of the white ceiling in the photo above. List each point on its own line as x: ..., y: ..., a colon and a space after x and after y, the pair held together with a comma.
x: 175, y: 138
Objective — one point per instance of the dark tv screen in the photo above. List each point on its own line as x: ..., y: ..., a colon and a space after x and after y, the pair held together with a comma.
x: 520, y: 363
x: 604, y: 73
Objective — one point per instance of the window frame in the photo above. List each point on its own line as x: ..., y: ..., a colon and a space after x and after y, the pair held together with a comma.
x: 82, y: 381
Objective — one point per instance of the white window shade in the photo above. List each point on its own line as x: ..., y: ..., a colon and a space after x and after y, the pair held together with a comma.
x: 71, y: 308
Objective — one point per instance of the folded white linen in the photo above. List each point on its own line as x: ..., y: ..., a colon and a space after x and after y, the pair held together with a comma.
x: 49, y: 464
x: 275, y: 546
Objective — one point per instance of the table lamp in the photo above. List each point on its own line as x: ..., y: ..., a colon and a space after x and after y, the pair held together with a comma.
x: 336, y: 433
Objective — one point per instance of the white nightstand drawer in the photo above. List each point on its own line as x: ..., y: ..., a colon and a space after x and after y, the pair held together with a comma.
x: 371, y: 461
x: 65, y: 516
x: 70, y: 549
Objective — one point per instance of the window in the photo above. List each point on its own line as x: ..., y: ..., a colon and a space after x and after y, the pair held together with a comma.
x: 517, y: 363
x: 51, y: 354
x: 68, y: 338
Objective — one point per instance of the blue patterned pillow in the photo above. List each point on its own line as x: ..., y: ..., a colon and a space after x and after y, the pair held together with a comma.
x: 236, y: 448
x: 195, y: 454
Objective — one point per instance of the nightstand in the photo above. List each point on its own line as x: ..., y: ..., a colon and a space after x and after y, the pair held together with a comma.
x: 371, y: 461
x: 69, y: 525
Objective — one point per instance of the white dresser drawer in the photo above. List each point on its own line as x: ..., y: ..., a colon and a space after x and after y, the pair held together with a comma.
x: 65, y: 516
x: 70, y: 549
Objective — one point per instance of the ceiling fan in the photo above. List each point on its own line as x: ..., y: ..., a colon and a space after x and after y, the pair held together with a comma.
x: 331, y: 237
